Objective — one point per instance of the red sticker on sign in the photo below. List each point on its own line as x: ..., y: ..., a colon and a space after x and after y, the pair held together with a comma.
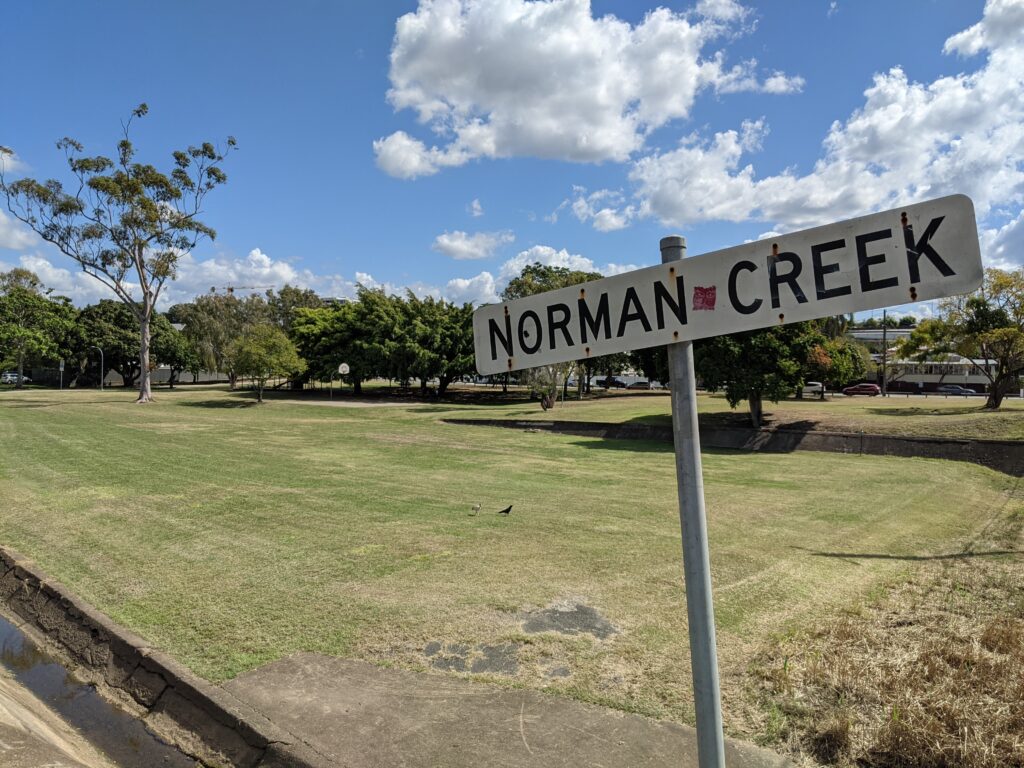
x: 704, y: 298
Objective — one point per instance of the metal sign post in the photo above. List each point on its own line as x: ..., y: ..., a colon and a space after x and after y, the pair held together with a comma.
x: 696, y: 561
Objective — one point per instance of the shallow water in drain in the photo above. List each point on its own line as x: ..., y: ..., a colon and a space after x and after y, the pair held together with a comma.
x: 121, y: 737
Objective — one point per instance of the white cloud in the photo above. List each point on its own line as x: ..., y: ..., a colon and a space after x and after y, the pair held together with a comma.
x: 10, y: 162
x: 1003, y: 247
x: 481, y: 245
x: 14, y: 234
x: 475, y: 290
x: 604, y: 208
x: 475, y: 209
x: 546, y: 255
x: 550, y: 80
x: 909, y: 141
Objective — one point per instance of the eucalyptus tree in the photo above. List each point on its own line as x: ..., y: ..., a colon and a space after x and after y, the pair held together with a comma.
x: 124, y: 222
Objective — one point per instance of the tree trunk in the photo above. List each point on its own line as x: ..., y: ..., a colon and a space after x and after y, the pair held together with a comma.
x: 259, y: 390
x: 357, y: 385
x: 145, y: 385
x: 20, y: 384
x: 998, y: 391
x: 442, y: 384
x: 756, y: 410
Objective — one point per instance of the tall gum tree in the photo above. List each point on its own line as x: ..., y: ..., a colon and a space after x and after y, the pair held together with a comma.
x: 124, y: 222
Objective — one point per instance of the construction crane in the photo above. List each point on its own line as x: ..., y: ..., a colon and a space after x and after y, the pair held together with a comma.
x: 230, y: 289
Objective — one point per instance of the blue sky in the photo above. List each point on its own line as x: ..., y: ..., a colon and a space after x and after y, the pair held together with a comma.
x: 442, y: 145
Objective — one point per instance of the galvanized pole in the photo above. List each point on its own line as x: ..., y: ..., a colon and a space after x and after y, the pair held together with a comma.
x: 696, y: 562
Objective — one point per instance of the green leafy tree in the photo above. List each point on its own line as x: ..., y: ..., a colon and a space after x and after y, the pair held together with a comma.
x: 114, y: 327
x: 332, y: 335
x: 755, y: 365
x: 263, y: 351
x: 214, y: 321
x: 540, y: 278
x: 836, y: 362
x: 442, y: 339
x: 33, y: 326
x: 173, y: 348
x: 125, y: 223
x: 282, y: 304
x: 986, y: 327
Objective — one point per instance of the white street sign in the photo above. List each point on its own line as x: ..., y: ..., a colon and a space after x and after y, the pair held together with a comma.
x: 908, y: 254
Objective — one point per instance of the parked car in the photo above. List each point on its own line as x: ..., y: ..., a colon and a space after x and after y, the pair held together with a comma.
x: 11, y: 377
x: 954, y: 389
x: 863, y: 389
x: 813, y: 389
x: 611, y: 383
x: 640, y: 385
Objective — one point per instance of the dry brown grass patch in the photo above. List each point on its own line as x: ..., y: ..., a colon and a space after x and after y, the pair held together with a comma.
x: 930, y: 676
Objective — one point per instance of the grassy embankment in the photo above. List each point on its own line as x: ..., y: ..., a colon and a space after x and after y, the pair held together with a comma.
x: 231, y: 535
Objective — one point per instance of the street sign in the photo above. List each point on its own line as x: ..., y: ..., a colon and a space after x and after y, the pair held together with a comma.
x: 908, y: 254
x: 343, y: 369
x: 62, y: 365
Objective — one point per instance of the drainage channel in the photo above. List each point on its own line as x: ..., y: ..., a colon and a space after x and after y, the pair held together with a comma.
x: 114, y: 733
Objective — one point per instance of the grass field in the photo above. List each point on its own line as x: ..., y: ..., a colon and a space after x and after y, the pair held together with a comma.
x: 231, y: 534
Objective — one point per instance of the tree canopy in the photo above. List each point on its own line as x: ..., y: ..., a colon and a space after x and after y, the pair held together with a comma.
x: 754, y: 365
x: 262, y: 351
x: 32, y: 324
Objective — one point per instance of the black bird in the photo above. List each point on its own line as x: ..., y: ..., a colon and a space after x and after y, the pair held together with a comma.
x: 506, y: 510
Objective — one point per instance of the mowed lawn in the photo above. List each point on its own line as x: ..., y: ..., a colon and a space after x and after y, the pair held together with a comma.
x: 231, y: 534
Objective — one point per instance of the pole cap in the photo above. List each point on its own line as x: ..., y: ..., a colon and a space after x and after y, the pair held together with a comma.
x: 673, y: 248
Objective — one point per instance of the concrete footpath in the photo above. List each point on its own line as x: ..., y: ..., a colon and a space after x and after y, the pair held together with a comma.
x: 354, y: 715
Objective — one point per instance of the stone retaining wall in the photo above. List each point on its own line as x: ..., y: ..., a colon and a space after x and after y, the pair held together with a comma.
x: 1003, y: 455
x: 204, y: 721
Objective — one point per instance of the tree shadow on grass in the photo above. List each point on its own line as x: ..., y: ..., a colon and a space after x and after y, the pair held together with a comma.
x: 234, y: 402
x: 644, y: 446
x: 853, y: 557
x: 926, y: 411
x: 54, y: 403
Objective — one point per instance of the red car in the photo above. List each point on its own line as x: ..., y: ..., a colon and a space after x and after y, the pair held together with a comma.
x: 863, y: 389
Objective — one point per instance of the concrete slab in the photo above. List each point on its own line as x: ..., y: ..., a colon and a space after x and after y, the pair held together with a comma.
x: 356, y: 715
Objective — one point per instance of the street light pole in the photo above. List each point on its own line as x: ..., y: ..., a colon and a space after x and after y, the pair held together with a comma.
x: 101, y: 365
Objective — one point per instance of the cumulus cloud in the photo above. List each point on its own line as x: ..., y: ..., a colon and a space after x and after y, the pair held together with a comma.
x: 909, y: 141
x: 550, y: 80
x: 1003, y: 247
x: 473, y: 290
x: 481, y: 245
x: 475, y: 209
x: 485, y: 288
x: 604, y: 208
x: 14, y: 234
